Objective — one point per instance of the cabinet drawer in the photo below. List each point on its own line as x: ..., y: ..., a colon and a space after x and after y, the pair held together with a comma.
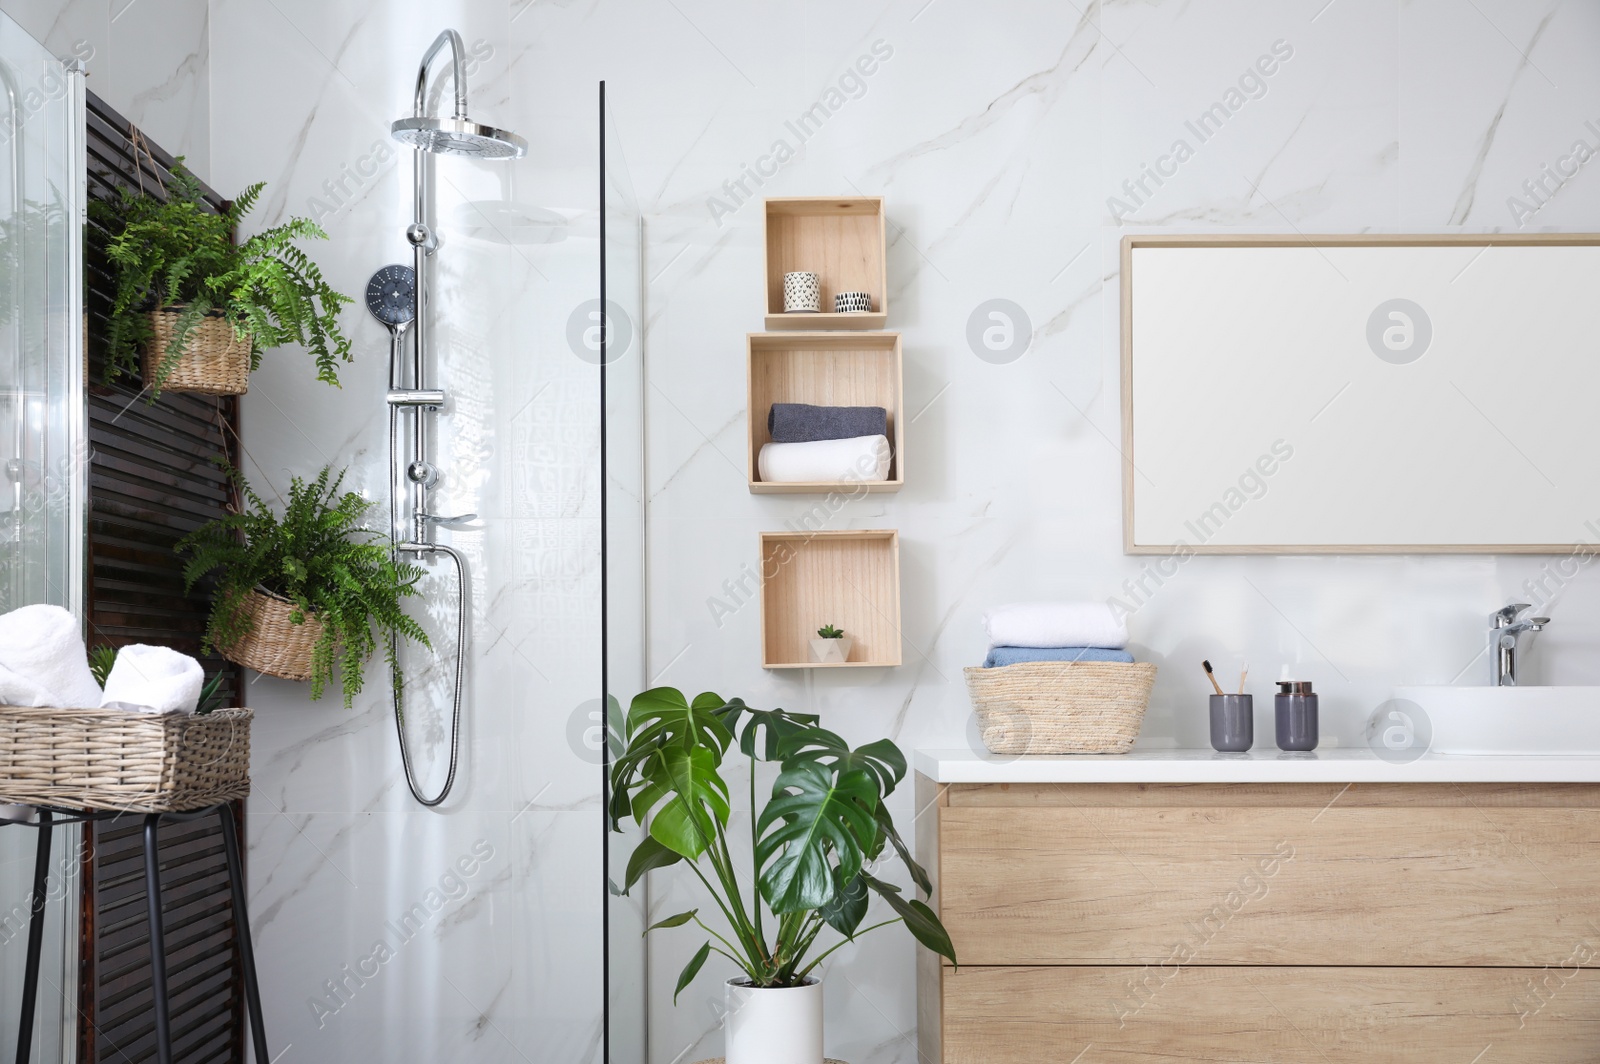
x: 1415, y: 875
x: 1283, y: 1015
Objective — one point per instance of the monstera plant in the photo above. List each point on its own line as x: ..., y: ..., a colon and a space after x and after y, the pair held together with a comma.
x: 813, y: 850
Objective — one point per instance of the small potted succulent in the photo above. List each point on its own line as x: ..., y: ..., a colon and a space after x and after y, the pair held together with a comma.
x: 817, y: 849
x: 297, y: 594
x: 831, y: 647
x: 193, y: 310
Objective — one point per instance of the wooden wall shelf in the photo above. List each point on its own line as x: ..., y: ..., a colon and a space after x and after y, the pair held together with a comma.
x: 842, y: 241
x: 824, y: 369
x: 846, y: 578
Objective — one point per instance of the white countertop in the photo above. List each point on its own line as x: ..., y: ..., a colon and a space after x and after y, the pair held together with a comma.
x: 1339, y: 765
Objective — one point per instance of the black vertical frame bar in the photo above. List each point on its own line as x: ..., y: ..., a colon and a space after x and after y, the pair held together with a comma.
x: 605, y: 629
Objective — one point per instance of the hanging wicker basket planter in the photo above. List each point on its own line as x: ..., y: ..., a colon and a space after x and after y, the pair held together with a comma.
x: 275, y: 645
x: 214, y: 360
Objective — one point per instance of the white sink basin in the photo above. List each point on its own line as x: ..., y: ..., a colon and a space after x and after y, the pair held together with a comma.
x: 1508, y: 720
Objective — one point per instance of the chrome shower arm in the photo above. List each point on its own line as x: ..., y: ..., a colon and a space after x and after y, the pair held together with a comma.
x: 458, y: 73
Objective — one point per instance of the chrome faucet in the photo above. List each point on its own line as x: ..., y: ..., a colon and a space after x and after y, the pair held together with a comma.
x: 1503, y: 642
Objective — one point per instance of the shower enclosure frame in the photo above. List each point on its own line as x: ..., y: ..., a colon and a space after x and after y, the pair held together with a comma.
x: 624, y: 577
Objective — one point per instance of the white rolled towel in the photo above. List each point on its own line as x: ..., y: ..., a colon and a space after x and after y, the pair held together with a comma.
x: 860, y: 458
x: 149, y: 679
x: 1055, y: 624
x: 43, y: 661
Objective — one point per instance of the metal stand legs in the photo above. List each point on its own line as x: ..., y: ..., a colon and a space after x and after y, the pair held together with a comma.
x: 30, y: 980
x: 158, y: 938
x: 241, y: 930
x: 158, y: 954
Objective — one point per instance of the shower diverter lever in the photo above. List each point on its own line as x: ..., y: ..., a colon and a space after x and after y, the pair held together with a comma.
x: 458, y: 519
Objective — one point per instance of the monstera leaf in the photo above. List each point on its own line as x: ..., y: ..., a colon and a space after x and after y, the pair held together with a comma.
x: 660, y: 718
x: 887, y: 832
x: 696, y: 799
x: 921, y: 920
x: 882, y: 758
x: 813, y: 812
x: 779, y: 725
x: 647, y: 857
x: 848, y: 906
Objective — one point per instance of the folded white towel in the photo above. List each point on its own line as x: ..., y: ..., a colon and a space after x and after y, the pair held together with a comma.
x: 17, y: 690
x: 1055, y: 624
x: 153, y: 680
x: 858, y: 459
x: 43, y: 661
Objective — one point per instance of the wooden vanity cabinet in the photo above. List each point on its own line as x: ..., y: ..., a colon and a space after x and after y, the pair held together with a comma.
x: 1315, y: 923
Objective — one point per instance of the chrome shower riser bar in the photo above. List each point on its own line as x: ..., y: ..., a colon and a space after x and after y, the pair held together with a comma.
x: 400, y: 302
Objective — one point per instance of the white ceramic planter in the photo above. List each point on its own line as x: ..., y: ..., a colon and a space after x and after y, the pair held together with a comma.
x: 824, y: 651
x: 774, y: 1026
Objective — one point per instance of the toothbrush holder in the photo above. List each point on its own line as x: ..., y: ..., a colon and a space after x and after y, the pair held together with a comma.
x: 1233, y: 723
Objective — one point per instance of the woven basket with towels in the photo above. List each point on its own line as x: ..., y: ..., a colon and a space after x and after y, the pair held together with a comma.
x: 1058, y: 680
x: 1056, y: 707
x: 114, y: 759
x: 138, y: 745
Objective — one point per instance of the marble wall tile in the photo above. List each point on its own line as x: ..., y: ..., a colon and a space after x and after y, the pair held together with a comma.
x: 148, y: 59
x: 158, y: 73
x: 1000, y: 137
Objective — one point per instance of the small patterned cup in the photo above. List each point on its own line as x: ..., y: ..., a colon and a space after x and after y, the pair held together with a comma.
x: 852, y: 302
x: 802, y: 293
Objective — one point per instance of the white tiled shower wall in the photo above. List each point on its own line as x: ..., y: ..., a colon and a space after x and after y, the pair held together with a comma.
x: 1011, y: 142
x: 149, y: 59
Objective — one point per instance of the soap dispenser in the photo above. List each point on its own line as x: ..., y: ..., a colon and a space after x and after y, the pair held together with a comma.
x: 1295, y: 710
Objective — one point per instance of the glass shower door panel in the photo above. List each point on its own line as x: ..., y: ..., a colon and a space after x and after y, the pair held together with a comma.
x: 41, y: 460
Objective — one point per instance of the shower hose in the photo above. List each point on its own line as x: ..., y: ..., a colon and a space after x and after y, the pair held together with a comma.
x: 397, y: 683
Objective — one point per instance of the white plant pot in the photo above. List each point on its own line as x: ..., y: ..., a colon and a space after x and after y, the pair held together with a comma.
x: 774, y: 1026
x: 824, y: 651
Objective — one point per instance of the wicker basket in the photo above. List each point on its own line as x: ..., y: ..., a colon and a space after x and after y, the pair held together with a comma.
x: 116, y: 759
x: 214, y: 360
x: 274, y: 644
x: 1061, y: 707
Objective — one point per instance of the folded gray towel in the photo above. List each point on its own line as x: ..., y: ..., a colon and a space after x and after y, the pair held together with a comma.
x: 803, y: 423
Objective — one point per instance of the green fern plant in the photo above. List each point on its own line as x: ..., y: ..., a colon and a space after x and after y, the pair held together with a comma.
x: 101, y: 658
x: 179, y: 253
x: 318, y: 557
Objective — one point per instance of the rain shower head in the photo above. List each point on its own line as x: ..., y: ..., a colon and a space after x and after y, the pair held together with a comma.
x: 458, y: 135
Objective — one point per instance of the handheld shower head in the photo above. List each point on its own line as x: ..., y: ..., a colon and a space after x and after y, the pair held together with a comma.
x: 457, y: 135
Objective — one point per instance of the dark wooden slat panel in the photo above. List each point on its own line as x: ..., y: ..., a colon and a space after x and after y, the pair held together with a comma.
x: 152, y: 480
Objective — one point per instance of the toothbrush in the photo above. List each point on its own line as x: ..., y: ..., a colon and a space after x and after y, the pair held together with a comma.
x: 1212, y: 676
x: 1244, y: 672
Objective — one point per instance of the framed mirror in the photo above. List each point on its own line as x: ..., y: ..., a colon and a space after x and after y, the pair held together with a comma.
x: 1381, y: 394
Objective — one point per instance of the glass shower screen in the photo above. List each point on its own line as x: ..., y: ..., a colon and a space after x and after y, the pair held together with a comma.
x: 42, y: 459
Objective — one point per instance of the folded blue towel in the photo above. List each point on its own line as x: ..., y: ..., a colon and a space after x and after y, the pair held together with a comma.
x: 999, y: 656
x: 803, y: 423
